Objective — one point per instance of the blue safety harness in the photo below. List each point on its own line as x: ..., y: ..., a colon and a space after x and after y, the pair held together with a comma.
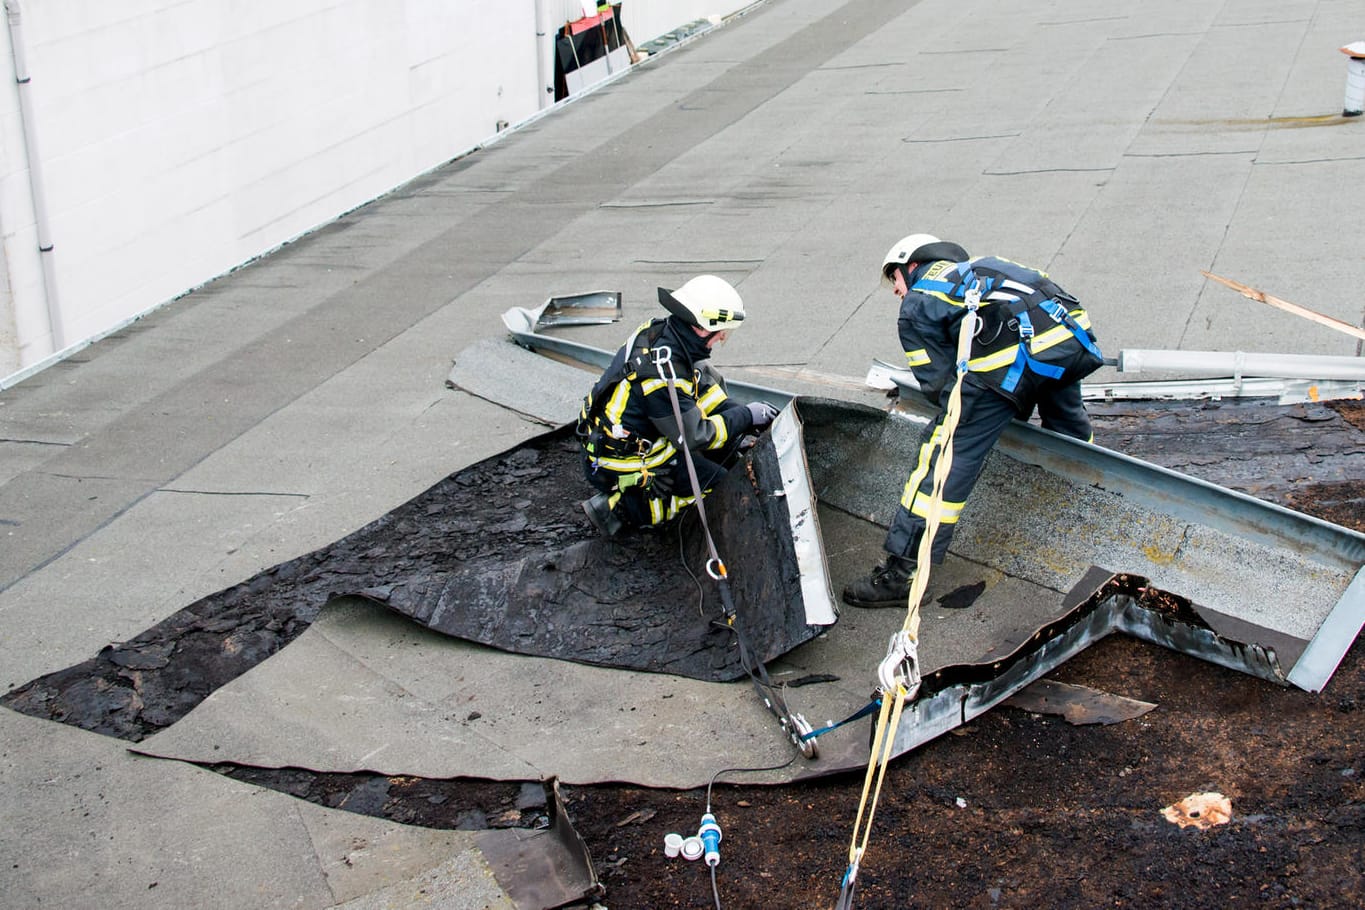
x: 995, y: 285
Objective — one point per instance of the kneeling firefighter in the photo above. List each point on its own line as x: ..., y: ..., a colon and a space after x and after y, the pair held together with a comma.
x: 628, y: 428
x: 1032, y: 347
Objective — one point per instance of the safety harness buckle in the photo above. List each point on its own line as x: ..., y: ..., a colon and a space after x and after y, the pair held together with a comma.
x: 972, y: 296
x: 1055, y: 310
x: 971, y: 325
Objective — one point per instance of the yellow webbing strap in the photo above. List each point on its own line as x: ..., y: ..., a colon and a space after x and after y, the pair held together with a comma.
x: 888, y: 720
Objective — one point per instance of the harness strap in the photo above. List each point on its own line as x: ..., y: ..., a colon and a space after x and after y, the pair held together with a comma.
x: 715, y: 567
x: 892, y: 703
x: 1054, y: 308
x: 590, y: 415
x: 983, y: 285
x: 862, y: 712
x: 1024, y: 359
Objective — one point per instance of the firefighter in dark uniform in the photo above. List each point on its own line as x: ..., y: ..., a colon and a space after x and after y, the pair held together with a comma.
x: 1031, y: 350
x: 628, y: 428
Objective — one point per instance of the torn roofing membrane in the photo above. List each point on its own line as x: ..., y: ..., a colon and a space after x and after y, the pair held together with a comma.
x: 462, y: 712
x: 1285, y: 584
x: 1064, y: 543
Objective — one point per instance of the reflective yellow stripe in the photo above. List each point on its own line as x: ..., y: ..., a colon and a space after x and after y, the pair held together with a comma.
x: 917, y: 358
x: 993, y: 361
x: 677, y: 503
x: 1003, y: 358
x: 951, y: 511
x: 616, y: 404
x: 649, y: 386
x: 921, y: 469
x: 713, y: 398
x: 660, y: 453
x: 666, y: 510
x: 1051, y: 338
x: 722, y: 432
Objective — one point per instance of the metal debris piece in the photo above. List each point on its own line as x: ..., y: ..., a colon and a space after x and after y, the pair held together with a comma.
x: 592, y: 308
x: 1077, y: 705
x: 549, y: 868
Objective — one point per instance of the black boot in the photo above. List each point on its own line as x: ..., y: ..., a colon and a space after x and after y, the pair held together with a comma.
x: 598, y: 510
x: 887, y: 586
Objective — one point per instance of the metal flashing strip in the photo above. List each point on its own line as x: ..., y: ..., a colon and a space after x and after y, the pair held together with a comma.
x: 551, y: 867
x: 1274, y: 576
x: 805, y: 523
x: 522, y: 324
x: 1333, y: 639
x: 954, y: 695
x: 1185, y: 497
x: 1285, y: 589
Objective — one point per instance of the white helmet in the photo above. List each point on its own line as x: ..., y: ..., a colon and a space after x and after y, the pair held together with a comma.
x: 904, y: 251
x: 707, y: 302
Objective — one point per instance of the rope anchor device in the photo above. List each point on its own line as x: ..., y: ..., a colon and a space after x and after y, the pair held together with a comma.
x: 899, y: 670
x: 898, y: 673
x: 794, y: 725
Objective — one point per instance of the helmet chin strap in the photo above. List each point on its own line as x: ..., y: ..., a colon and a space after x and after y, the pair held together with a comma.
x: 707, y: 336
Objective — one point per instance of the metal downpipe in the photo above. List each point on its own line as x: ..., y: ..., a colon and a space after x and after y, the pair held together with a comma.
x: 13, y: 16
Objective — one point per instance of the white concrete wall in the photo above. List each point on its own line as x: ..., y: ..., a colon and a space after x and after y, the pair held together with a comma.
x: 181, y: 138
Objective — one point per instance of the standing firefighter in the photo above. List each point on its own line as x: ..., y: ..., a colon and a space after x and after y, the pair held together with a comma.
x: 627, y: 426
x: 1031, y: 350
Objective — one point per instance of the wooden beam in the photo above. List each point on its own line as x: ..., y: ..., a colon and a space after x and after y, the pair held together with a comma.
x: 1288, y: 307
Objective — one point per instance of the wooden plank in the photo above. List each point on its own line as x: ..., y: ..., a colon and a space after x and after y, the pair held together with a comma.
x: 1288, y: 307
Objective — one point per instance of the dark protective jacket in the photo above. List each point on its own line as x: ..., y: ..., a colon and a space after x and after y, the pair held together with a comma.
x: 1032, y: 332
x: 627, y: 422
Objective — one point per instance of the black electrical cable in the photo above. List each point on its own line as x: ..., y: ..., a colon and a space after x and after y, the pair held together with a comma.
x: 682, y: 558
x: 716, y: 776
x: 715, y: 888
x: 762, y: 683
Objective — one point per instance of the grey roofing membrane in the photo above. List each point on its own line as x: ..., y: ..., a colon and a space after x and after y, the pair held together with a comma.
x: 295, y: 400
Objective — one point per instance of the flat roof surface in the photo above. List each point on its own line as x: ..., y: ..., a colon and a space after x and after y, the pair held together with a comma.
x: 298, y: 398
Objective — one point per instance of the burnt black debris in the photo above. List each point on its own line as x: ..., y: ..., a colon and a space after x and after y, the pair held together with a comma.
x: 1308, y: 456
x: 452, y: 558
x: 498, y: 553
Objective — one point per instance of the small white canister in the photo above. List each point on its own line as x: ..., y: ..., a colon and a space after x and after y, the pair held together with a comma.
x: 1355, y: 79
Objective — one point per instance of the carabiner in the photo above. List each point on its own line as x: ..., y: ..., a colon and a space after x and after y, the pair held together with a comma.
x: 663, y: 357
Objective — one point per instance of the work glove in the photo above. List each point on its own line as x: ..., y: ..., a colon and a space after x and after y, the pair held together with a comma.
x: 762, y: 412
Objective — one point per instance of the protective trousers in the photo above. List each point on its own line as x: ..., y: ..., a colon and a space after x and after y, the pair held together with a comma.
x: 641, y: 506
x: 985, y: 414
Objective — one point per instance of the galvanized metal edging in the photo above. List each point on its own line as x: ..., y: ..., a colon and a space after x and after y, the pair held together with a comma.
x: 1183, y: 497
